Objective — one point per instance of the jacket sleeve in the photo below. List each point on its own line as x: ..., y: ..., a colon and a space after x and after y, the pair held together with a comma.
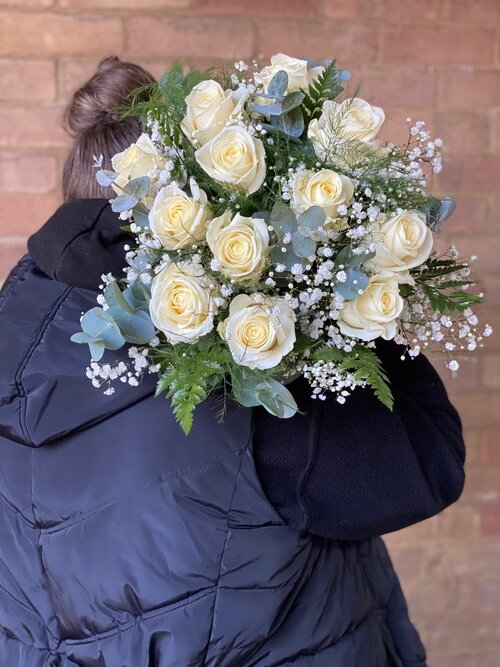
x: 357, y: 470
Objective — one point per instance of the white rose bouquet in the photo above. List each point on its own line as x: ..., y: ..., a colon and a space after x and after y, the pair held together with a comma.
x: 276, y: 235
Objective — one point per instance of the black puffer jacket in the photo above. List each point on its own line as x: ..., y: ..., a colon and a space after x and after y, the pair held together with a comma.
x: 125, y: 544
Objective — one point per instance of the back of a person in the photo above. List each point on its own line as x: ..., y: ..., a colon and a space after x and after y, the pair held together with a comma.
x: 157, y: 549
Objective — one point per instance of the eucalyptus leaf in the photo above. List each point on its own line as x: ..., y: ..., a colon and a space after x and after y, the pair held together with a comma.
x: 292, y: 101
x: 278, y: 84
x: 291, y: 123
x: 288, y: 258
x: 274, y: 109
x: 355, y: 281
x: 277, y: 399
x: 312, y: 218
x: 303, y: 246
x: 283, y: 219
x: 114, y: 296
x: 97, y: 349
x: 261, y: 215
x: 101, y: 326
x: 81, y: 337
x: 444, y: 210
x: 137, y: 296
x: 137, y: 187
x: 105, y: 177
x: 141, y: 215
x: 136, y: 327
x: 123, y: 203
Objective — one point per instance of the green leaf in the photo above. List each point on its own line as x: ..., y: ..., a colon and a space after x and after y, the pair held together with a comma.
x: 292, y: 100
x: 123, y: 203
x: 291, y: 123
x: 100, y: 326
x: 105, y: 177
x: 114, y: 296
x: 138, y: 187
x: 136, y: 327
x: 303, y: 246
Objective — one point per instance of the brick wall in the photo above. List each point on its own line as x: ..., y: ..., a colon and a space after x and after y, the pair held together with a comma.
x: 436, y: 60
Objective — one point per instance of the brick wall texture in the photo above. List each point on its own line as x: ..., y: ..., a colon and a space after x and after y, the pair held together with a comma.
x: 436, y: 60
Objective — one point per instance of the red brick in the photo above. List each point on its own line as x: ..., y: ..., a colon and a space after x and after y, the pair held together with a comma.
x: 21, y: 215
x: 444, y: 45
x: 490, y: 446
x: 389, y: 11
x: 28, y: 173
x: 486, y: 594
x: 469, y: 88
x: 490, y: 519
x: 478, y: 409
x: 487, y: 249
x: 58, y: 34
x: 465, y: 630
x: 467, y: 378
x: 407, y: 562
x: 11, y: 250
x: 125, y: 4
x: 471, y: 174
x: 445, y: 594
x: 489, y: 659
x: 463, y: 132
x: 37, y: 4
x: 473, y: 11
x: 471, y: 216
x: 482, y: 483
x: 27, y: 80
x: 491, y: 370
x: 496, y: 132
x: 391, y: 87
x: 461, y: 660
x: 32, y: 127
x: 186, y: 37
x: 323, y: 39
x: 258, y: 7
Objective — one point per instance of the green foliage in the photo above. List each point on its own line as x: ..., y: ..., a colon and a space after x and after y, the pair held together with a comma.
x: 189, y: 374
x: 325, y: 87
x: 446, y: 294
x: 365, y: 365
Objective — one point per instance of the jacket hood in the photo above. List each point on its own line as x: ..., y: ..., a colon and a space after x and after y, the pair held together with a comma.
x: 80, y: 242
x: 44, y: 391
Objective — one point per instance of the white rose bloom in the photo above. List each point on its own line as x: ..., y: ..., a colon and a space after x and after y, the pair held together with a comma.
x: 136, y: 161
x: 236, y: 157
x: 299, y: 74
x: 182, y: 302
x: 208, y: 108
x: 402, y: 242
x: 259, y: 331
x: 375, y: 312
x: 353, y: 119
x: 240, y: 246
x: 323, y: 188
x: 177, y: 219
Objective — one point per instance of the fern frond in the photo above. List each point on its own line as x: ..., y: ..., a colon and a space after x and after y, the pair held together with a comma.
x: 325, y: 87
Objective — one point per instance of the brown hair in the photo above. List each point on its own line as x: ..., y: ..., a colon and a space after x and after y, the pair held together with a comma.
x: 93, y: 119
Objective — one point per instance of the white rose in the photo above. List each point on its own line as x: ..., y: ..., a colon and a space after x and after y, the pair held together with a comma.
x: 208, y: 108
x: 236, y: 157
x: 402, y: 242
x: 177, y: 219
x: 135, y: 161
x: 182, y: 304
x: 323, y: 188
x: 353, y: 119
x: 259, y: 331
x: 240, y: 246
x: 375, y: 312
x: 300, y: 75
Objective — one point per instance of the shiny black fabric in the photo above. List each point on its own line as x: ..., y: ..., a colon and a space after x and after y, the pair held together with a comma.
x: 125, y: 544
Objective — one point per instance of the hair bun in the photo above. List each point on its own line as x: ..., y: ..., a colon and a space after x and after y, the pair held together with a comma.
x: 98, y: 101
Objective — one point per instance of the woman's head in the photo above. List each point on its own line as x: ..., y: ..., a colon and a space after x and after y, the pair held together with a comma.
x: 93, y: 121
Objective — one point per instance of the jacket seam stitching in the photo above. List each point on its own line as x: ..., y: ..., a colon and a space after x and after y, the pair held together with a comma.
x: 18, y: 375
x: 217, y: 581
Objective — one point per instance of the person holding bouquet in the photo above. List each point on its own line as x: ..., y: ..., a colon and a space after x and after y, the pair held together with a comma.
x: 255, y: 538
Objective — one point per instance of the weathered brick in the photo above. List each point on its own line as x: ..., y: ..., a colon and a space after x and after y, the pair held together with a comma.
x: 432, y: 45
x: 490, y: 446
x: 401, y: 87
x: 322, y: 39
x: 446, y: 594
x: 32, y: 127
x: 469, y: 88
x: 258, y: 7
x: 125, y: 4
x: 478, y: 409
x: 481, y: 483
x: 489, y: 659
x: 463, y: 132
x: 475, y: 11
x: 36, y: 4
x: 490, y: 370
x: 490, y: 520
x: 388, y: 11
x: 28, y: 173
x: 471, y: 216
x: 454, y: 660
x: 27, y: 80
x: 486, y: 593
x: 407, y: 562
x: 23, y: 214
x: 58, y: 34
x: 186, y: 37
x: 459, y: 630
x: 471, y: 174
x: 11, y: 250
